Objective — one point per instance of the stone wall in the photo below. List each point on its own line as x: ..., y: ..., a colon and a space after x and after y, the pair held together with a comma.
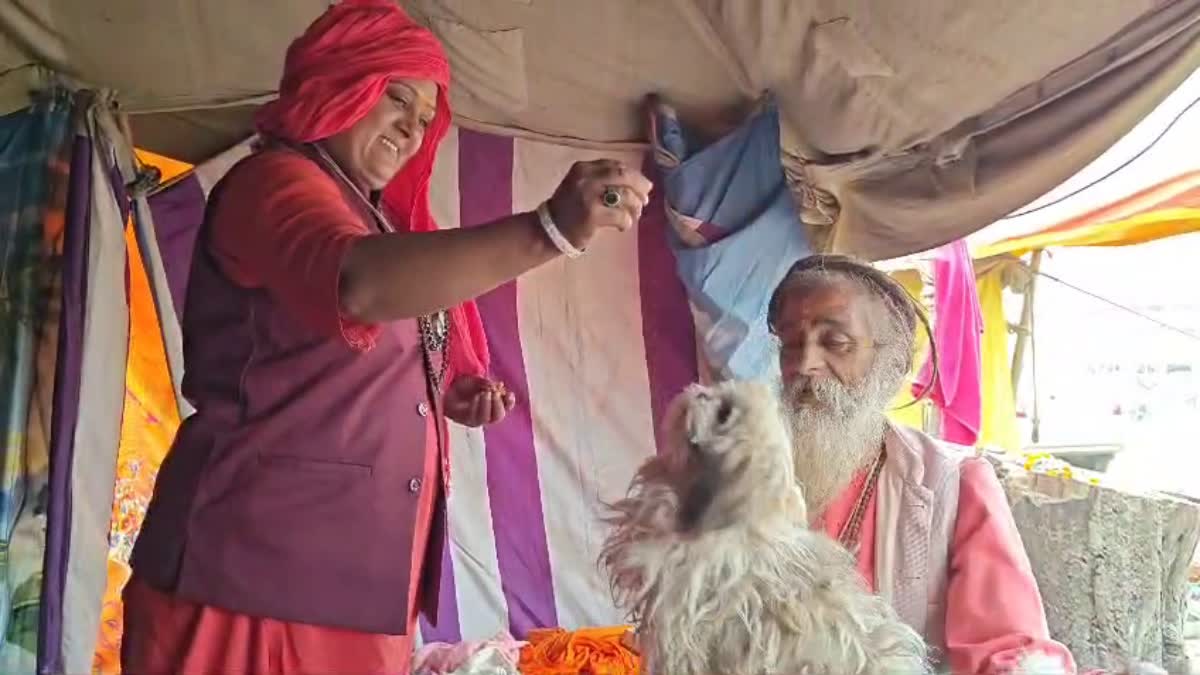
x: 1112, y: 567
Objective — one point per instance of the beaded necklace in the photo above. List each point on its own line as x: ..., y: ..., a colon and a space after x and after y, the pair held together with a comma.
x: 849, y: 534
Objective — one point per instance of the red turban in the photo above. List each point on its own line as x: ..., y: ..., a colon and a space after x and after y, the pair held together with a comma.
x: 333, y: 76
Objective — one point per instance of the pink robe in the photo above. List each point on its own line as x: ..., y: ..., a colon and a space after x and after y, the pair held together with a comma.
x: 994, y: 612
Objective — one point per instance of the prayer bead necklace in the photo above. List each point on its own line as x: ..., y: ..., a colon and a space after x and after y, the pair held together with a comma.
x: 850, y: 531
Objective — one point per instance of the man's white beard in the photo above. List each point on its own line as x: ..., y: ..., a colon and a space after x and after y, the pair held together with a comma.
x: 835, y: 430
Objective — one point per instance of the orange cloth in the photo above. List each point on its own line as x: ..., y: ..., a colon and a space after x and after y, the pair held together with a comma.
x: 148, y: 424
x: 169, y: 636
x: 588, y: 651
x: 165, y: 635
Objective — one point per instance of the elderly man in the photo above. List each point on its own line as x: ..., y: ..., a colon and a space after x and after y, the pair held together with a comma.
x: 928, y: 522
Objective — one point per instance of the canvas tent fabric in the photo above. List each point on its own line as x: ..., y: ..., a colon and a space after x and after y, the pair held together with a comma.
x: 920, y: 121
x: 1167, y: 209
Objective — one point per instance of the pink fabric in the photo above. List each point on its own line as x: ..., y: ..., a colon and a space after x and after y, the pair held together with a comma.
x: 838, y: 512
x: 994, y: 612
x: 439, y: 658
x: 957, y: 333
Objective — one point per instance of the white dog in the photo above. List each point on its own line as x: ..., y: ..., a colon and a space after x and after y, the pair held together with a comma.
x: 711, y: 556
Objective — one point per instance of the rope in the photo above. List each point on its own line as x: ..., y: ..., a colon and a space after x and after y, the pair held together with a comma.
x: 1162, y: 324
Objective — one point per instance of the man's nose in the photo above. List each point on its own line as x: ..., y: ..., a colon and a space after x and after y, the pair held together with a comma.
x: 805, y: 362
x: 811, y: 362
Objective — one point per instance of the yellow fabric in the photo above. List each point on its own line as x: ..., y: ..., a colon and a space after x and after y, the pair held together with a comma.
x: 170, y: 168
x: 1135, y: 230
x: 901, y: 412
x: 148, y: 426
x: 998, y: 427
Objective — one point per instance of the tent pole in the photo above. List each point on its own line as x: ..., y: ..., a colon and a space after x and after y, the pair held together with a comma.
x: 931, y: 422
x: 1025, y: 328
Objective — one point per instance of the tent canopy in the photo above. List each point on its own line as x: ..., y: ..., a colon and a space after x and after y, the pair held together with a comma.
x: 1165, y: 210
x: 904, y: 125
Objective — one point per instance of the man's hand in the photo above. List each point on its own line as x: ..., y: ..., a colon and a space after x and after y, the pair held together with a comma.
x: 475, y: 401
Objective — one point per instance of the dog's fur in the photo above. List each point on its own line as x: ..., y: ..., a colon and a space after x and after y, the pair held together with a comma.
x: 711, y: 556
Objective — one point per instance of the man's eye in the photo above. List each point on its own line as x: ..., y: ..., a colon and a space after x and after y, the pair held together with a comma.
x: 839, y: 345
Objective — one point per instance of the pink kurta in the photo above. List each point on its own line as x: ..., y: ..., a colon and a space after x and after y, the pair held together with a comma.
x: 994, y: 612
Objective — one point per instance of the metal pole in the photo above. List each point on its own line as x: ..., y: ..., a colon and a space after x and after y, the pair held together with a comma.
x: 931, y: 417
x: 1024, y: 329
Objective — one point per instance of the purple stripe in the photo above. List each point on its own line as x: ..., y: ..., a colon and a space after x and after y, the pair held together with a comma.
x: 447, y: 628
x: 65, y: 411
x: 523, y: 557
x: 667, y: 328
x: 178, y: 213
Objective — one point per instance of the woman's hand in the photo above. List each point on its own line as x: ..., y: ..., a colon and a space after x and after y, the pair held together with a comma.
x: 475, y: 401
x: 578, y: 207
x: 403, y: 275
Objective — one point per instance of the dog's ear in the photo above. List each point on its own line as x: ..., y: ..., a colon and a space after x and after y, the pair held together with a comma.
x: 673, y: 429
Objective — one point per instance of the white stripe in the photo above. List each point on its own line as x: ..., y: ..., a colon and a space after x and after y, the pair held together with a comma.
x: 482, y: 611
x: 581, y: 333
x: 98, y: 427
x: 443, y: 183
x: 164, y: 305
x: 213, y: 170
x: 167, y: 313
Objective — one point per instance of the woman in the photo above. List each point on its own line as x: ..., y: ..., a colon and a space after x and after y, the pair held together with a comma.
x: 329, y: 329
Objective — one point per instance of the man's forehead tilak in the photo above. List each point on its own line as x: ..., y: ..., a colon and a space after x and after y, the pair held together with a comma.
x: 835, y: 304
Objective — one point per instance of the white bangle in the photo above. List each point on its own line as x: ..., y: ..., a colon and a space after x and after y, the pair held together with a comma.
x: 560, y: 242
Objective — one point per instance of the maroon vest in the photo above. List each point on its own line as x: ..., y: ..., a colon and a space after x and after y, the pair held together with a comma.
x: 291, y: 493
